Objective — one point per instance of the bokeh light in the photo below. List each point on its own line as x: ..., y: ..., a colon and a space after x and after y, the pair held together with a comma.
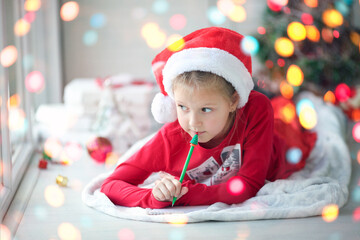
x: 32, y: 5
x: 73, y: 150
x: 336, y: 34
x: 284, y: 47
x: 327, y: 35
x: 305, y: 102
x: 308, y: 117
x: 235, y: 186
x: 269, y: 64
x: 5, y: 233
x: 178, y: 220
x: 355, y: 38
x: 225, y: 6
x: 342, y: 7
x: 307, y: 18
x: 293, y: 155
x: 356, y: 214
x: 281, y: 62
x: 54, y: 196
x: 154, y: 36
x: 342, y: 92
x: 286, y: 90
x: 175, y: 43
x: 330, y: 213
x: 276, y: 5
x: 355, y: 115
x: 356, y: 132
x: 250, y: 45
x: 288, y: 113
x: 34, y: 82
x: 238, y: 14
x: 98, y: 20
x: 243, y: 232
x: 53, y: 147
x: 22, y: 27
x: 160, y: 6
x: 215, y: 16
x: 30, y: 17
x: 332, y: 18
x: 68, y: 231
x: 312, y: 33
x: 311, y: 3
x: 17, y: 119
x: 8, y: 56
x: 177, y: 21
x: 111, y: 160
x: 294, y: 75
x: 90, y: 38
x: 69, y: 11
x: 126, y: 234
x: 14, y: 101
x: 329, y: 97
x: 296, y: 31
x: 261, y: 30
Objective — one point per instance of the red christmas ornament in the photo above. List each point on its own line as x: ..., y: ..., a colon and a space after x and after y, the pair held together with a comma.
x: 99, y: 148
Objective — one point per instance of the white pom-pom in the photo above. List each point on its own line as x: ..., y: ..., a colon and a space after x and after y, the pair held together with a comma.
x: 163, y: 108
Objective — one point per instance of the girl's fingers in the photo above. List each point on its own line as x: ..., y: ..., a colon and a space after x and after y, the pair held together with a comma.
x: 167, y: 188
x: 165, y: 174
x: 184, y: 190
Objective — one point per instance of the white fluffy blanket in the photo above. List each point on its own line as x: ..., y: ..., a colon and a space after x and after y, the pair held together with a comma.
x: 323, y: 181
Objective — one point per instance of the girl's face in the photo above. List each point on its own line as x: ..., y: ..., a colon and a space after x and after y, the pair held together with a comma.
x: 206, y: 111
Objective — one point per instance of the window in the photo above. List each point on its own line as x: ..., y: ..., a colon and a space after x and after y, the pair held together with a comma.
x: 29, y: 58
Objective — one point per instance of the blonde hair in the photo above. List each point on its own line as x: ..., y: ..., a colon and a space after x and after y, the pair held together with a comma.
x: 199, y: 79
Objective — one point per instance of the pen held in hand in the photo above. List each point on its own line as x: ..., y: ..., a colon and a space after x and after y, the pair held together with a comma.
x: 193, y: 143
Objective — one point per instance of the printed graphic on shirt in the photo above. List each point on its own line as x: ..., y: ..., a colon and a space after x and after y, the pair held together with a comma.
x: 230, y: 157
x: 211, y: 173
x: 204, y: 172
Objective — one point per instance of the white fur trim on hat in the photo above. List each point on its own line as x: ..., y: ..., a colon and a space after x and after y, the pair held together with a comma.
x: 212, y: 60
x: 163, y: 108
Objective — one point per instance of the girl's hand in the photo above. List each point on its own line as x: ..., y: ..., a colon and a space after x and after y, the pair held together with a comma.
x: 167, y: 188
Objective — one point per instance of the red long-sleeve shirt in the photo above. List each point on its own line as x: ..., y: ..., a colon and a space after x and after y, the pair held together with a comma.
x: 252, y: 151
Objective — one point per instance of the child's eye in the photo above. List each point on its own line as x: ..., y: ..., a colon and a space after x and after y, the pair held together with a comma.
x: 206, y: 110
x: 182, y: 107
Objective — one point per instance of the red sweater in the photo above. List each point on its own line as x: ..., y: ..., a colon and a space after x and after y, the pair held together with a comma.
x: 252, y: 151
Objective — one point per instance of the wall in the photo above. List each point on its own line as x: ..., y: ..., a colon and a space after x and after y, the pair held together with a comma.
x: 120, y: 47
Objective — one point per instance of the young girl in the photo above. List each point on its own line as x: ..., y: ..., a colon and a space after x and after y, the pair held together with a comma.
x: 206, y: 88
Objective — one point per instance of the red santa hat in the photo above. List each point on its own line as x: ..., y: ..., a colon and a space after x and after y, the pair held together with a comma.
x: 216, y: 50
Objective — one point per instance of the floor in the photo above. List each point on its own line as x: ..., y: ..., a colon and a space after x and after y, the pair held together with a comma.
x: 53, y: 212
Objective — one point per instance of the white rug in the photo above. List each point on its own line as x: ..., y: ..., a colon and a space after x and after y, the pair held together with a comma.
x: 322, y: 182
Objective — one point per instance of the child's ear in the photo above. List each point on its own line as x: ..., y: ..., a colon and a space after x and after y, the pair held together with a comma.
x: 234, y: 101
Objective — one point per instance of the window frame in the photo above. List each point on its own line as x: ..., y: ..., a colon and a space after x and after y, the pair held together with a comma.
x: 45, y: 33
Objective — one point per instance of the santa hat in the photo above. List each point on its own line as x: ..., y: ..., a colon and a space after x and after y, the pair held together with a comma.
x: 216, y: 50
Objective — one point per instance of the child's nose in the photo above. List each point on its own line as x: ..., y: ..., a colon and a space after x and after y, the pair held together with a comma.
x: 195, y: 120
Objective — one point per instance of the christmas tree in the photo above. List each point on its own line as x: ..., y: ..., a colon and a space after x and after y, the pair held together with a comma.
x: 310, y: 44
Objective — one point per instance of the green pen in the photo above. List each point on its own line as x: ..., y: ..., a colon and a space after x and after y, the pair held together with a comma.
x: 193, y: 143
